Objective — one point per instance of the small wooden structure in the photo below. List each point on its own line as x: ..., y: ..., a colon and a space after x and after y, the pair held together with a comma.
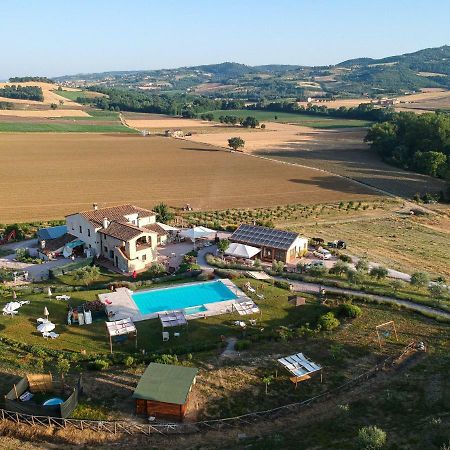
x: 163, y: 391
x: 301, y: 367
x: 296, y: 300
x: 123, y: 327
x: 21, y: 398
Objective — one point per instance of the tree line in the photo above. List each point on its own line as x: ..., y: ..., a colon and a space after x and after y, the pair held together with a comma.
x: 414, y: 142
x: 185, y: 105
x: 364, y: 111
x: 28, y: 79
x: 22, y: 92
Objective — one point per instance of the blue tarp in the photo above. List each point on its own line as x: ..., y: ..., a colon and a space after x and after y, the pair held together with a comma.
x: 52, y: 232
x: 74, y: 244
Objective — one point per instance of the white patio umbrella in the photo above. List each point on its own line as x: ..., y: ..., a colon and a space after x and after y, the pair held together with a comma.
x: 46, y: 313
x: 14, y: 295
x: 46, y: 327
x: 197, y: 233
x: 49, y: 292
x: 12, y: 306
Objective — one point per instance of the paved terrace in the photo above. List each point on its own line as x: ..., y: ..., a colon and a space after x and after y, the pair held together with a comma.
x: 120, y: 304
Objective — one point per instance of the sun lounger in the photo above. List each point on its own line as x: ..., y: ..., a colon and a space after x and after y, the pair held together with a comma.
x: 10, y: 312
x: 165, y: 336
x: 260, y: 296
x: 50, y: 335
x: 63, y: 297
x: 87, y: 317
x: 250, y: 289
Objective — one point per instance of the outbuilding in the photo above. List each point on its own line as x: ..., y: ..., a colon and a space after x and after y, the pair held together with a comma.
x: 164, y: 390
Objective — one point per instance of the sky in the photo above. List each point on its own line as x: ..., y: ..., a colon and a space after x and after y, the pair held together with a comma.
x: 51, y: 38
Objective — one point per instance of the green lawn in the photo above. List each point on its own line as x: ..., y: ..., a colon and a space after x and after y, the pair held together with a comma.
x: 24, y: 127
x: 73, y: 95
x: 300, y: 119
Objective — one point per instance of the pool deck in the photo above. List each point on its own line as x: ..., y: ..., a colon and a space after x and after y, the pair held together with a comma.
x: 120, y: 304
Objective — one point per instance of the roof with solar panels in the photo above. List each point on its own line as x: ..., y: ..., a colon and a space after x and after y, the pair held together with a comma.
x: 264, y: 237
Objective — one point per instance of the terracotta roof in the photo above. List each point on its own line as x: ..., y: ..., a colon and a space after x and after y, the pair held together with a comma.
x: 114, y: 213
x: 123, y: 231
x: 157, y: 229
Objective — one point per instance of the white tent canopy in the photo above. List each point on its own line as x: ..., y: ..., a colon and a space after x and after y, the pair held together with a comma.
x: 241, y: 250
x: 167, y: 227
x: 197, y: 233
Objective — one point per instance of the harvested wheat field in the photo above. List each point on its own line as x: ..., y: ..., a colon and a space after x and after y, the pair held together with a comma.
x: 47, y: 90
x: 49, y: 175
x: 166, y: 123
x: 341, y: 151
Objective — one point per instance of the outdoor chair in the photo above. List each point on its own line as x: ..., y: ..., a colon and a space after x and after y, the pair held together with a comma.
x: 165, y: 336
x: 63, y: 297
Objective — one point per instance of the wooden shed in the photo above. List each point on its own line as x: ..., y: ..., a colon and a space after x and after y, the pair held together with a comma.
x: 163, y: 391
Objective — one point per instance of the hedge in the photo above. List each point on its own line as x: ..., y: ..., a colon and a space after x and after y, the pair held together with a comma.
x: 71, y: 267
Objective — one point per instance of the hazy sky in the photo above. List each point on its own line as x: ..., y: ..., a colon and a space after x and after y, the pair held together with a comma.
x: 48, y: 37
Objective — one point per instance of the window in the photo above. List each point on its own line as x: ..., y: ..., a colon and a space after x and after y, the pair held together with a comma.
x: 81, y: 230
x: 144, y: 257
x: 105, y: 248
x: 89, y: 232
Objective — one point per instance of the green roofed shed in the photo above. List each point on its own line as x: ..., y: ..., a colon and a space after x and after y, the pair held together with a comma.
x: 163, y: 390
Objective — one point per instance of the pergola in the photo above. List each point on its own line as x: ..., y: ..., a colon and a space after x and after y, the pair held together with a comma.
x: 121, y: 328
x: 301, y: 367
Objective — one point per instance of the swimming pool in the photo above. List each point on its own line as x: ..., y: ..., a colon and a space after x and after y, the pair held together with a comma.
x: 190, y: 298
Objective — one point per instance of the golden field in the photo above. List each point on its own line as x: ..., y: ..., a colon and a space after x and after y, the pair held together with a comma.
x: 48, y: 175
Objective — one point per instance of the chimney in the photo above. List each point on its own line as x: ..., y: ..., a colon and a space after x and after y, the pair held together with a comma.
x: 95, y: 206
x: 138, y: 220
x: 105, y: 223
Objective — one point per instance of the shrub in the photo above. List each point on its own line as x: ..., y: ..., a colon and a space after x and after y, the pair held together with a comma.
x: 419, y: 279
x: 317, y: 271
x: 349, y: 310
x: 282, y: 284
x: 98, y: 364
x: 242, y: 344
x: 128, y: 361
x: 328, y: 322
x: 362, y: 265
x: 345, y: 258
x: 378, y: 272
x: 167, y: 359
x: 224, y: 273
x: 278, y: 266
x: 340, y: 268
x: 356, y: 276
x: 284, y: 333
x: 371, y: 438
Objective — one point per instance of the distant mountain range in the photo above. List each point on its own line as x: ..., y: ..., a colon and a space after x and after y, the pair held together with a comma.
x: 361, y: 76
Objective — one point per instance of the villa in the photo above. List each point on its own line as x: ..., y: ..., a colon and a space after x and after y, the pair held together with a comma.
x: 125, y: 235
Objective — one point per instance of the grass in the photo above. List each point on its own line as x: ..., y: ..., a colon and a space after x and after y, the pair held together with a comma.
x: 300, y: 119
x: 25, y: 127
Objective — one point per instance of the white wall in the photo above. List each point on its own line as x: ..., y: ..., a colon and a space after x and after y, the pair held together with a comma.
x: 88, y: 232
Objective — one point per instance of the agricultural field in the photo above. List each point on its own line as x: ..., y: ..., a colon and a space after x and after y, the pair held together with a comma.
x: 62, y: 121
x: 300, y: 119
x: 73, y: 94
x: 145, y: 171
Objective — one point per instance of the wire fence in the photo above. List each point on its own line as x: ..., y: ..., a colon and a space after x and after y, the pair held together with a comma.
x: 130, y: 428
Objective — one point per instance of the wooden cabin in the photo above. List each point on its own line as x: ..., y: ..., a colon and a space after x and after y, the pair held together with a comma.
x: 163, y: 391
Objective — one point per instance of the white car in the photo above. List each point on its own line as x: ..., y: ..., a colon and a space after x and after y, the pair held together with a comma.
x: 322, y: 254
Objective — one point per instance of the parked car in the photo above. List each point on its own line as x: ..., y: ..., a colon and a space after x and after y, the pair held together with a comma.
x: 322, y: 254
x: 337, y: 244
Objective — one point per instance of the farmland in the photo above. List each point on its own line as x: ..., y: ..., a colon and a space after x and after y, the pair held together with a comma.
x: 300, y: 119
x: 145, y: 171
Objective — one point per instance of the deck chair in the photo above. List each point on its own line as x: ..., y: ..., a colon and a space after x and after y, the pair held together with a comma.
x: 260, y: 296
x: 63, y: 297
x: 53, y: 335
x: 165, y: 336
x: 251, y: 289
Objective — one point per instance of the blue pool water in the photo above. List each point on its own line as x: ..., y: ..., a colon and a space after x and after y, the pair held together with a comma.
x: 190, y: 297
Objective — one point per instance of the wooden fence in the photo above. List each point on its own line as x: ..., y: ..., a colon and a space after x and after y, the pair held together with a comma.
x: 126, y: 427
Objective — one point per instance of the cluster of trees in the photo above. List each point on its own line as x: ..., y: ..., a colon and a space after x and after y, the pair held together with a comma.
x: 28, y: 79
x: 364, y: 111
x: 186, y: 105
x: 415, y: 142
x: 231, y: 120
x: 22, y: 92
x: 250, y: 122
x: 6, y: 105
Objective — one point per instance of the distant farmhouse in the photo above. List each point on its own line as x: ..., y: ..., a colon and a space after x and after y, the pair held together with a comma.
x: 275, y: 245
x: 125, y: 235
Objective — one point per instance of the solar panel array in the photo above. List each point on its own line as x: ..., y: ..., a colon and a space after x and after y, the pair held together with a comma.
x: 262, y: 236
